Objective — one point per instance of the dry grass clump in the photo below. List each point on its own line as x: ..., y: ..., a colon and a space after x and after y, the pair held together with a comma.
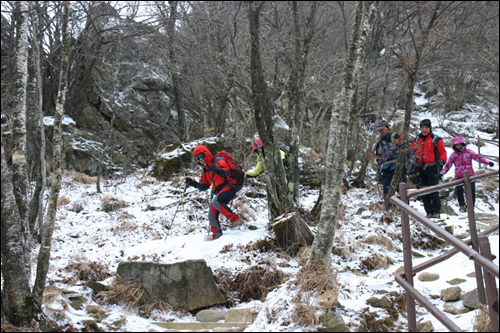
x: 129, y: 292
x: 381, y: 240
x: 62, y: 201
x: 482, y: 320
x: 124, y: 227
x: 322, y: 282
x: 87, y: 270
x: 110, y: 204
x: 376, y: 261
x: 252, y: 284
x: 257, y: 281
x: 317, y: 290
x: 262, y: 245
x: 81, y: 177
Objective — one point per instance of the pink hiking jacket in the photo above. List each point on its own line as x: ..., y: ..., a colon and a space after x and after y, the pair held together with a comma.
x: 462, y: 159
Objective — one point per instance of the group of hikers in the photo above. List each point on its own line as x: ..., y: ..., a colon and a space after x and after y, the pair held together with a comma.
x: 428, y: 163
x: 427, y: 156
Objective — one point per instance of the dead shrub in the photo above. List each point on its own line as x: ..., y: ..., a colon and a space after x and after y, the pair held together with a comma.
x: 87, y: 270
x: 252, y: 284
x: 110, y: 204
x: 381, y: 240
x: 322, y: 282
x: 375, y: 262
x: 81, y: 177
x: 262, y: 245
x: 256, y: 282
x: 124, y: 226
x: 305, y: 315
x: 482, y: 320
x: 129, y: 292
x: 224, y: 279
x: 62, y: 201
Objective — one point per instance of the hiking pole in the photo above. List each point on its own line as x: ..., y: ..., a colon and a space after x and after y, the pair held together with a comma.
x: 176, y: 210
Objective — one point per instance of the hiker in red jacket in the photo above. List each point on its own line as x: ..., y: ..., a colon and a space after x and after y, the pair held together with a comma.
x: 216, y: 174
x: 430, y: 158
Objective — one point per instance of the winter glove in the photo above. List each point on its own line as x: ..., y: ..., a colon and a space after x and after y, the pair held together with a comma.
x: 491, y: 164
x: 191, y: 182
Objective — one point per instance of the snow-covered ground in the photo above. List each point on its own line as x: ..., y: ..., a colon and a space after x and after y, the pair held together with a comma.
x: 145, y: 230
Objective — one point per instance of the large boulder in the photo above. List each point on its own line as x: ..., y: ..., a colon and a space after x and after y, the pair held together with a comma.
x: 188, y: 285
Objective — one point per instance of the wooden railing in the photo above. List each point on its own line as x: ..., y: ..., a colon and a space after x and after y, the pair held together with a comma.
x: 480, y: 253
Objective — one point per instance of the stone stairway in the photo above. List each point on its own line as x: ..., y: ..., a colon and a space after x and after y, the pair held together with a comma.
x: 232, y: 320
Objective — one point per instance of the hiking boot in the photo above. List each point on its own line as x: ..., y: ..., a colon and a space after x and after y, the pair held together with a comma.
x: 435, y: 216
x: 236, y: 223
x: 428, y: 215
x: 210, y: 237
x: 463, y: 209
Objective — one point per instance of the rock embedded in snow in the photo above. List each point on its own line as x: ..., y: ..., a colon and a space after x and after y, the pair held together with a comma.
x: 426, y: 276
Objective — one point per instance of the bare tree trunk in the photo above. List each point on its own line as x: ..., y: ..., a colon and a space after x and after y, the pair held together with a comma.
x: 16, y: 292
x: 291, y: 230
x: 337, y: 143
x: 412, y: 72
x: 36, y: 211
x: 48, y: 229
x: 302, y: 47
x: 16, y: 263
x: 170, y: 21
x: 19, y: 166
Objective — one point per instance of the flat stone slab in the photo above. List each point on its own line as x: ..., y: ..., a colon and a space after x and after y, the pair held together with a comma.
x: 197, y: 326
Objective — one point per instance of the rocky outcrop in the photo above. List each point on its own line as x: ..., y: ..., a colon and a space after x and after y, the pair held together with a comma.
x: 118, y: 74
x: 187, y: 285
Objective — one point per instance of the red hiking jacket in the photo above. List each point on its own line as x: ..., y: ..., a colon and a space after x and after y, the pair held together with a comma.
x: 216, y: 173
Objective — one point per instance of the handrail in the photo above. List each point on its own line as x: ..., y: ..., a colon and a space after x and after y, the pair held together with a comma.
x: 482, y: 259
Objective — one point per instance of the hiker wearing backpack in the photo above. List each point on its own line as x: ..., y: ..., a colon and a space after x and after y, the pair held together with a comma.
x: 218, y: 174
x: 462, y: 159
x: 430, y: 156
x: 258, y: 169
x: 386, y: 155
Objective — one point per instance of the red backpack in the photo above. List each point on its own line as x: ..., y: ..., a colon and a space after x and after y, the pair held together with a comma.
x: 236, y: 171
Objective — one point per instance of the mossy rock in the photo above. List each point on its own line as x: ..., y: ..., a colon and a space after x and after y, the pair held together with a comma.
x: 179, y: 156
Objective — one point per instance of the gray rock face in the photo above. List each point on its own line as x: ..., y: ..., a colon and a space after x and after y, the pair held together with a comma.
x: 187, y: 285
x: 118, y: 72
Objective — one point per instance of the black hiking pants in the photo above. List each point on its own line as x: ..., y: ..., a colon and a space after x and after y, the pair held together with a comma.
x: 429, y: 176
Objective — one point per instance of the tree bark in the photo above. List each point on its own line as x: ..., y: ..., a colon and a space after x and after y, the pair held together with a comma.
x: 48, y: 230
x: 337, y: 144
x: 36, y: 211
x: 16, y: 295
x: 302, y: 47
x: 19, y: 165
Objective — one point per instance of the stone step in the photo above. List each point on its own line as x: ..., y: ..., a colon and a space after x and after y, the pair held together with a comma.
x: 202, y: 327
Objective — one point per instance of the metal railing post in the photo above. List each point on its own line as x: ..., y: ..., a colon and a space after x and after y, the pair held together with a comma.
x: 408, y: 265
x: 489, y: 281
x: 473, y: 235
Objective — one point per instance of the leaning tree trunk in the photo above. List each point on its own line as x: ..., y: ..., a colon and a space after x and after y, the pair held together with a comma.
x: 290, y: 229
x: 48, y: 229
x: 337, y: 144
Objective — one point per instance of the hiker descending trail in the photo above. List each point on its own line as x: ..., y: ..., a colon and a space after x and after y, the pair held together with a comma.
x: 462, y: 159
x: 222, y: 176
